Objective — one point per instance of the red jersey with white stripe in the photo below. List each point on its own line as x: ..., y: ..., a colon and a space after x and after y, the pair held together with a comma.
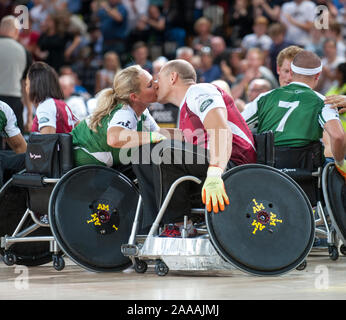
x: 54, y: 113
x: 199, y: 100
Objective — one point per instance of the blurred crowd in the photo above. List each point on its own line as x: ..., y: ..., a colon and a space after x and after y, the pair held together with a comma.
x: 234, y: 42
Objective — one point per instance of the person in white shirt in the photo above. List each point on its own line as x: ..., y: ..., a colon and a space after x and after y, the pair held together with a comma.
x: 298, y: 16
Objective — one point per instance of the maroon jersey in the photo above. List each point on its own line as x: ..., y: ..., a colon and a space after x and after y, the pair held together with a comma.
x: 198, y: 101
x: 54, y: 113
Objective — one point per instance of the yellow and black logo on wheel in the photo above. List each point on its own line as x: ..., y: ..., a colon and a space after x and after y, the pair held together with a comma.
x: 263, y: 216
x: 104, y: 217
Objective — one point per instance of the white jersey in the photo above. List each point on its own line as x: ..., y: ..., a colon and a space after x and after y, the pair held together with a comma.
x: 8, y: 121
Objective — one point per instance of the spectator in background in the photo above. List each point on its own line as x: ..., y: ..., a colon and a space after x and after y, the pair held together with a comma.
x: 209, y: 71
x: 241, y: 17
x: 258, y: 39
x: 203, y: 34
x: 52, y: 44
x: 185, y: 53
x: 231, y: 65
x: 256, y: 87
x: 277, y: 32
x: 38, y: 14
x: 140, y: 55
x: 15, y: 61
x: 105, y: 76
x: 155, y: 24
x: 113, y: 18
x: 29, y: 38
x: 340, y: 75
x: 76, y: 103
x: 79, y: 88
x: 315, y: 44
x: 330, y: 61
x: 269, y: 9
x: 136, y: 9
x: 86, y: 68
x: 334, y: 32
x: 218, y: 48
x: 254, y: 68
x: 298, y: 16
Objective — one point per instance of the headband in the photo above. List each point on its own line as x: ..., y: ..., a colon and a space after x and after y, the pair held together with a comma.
x: 305, y: 71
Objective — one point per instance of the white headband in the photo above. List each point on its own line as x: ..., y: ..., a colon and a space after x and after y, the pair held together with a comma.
x: 304, y: 71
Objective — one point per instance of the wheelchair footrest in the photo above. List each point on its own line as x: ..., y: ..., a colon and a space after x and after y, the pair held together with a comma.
x: 184, y: 253
x: 129, y: 250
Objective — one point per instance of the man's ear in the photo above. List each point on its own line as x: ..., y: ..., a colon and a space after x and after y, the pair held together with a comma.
x: 174, y: 77
x: 317, y: 76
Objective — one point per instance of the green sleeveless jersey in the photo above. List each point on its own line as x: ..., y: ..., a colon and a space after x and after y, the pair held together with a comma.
x: 91, y: 147
x: 295, y: 113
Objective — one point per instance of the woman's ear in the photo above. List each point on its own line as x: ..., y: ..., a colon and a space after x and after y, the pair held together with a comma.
x: 133, y: 97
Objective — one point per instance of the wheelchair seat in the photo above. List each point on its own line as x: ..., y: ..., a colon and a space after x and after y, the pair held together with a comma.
x: 24, y: 227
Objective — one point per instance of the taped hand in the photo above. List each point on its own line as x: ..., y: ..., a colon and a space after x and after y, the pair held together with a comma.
x: 213, y: 191
x: 156, y: 137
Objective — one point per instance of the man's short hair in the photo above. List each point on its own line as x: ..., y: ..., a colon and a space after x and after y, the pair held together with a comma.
x: 307, y: 59
x: 184, y: 69
x: 288, y: 53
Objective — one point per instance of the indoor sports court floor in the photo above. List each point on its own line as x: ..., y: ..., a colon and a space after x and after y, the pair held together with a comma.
x: 322, y: 279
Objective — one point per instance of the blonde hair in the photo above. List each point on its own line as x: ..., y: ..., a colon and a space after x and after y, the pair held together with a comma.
x: 125, y: 82
x: 288, y: 53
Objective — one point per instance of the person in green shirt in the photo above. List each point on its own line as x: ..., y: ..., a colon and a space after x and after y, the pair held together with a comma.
x: 120, y: 121
x: 11, y: 161
x: 297, y: 114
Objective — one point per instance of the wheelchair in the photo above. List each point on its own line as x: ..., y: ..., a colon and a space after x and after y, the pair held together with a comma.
x: 94, y: 217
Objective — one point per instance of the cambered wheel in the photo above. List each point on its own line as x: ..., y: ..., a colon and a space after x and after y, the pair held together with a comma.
x: 333, y: 253
x: 140, y: 266
x: 343, y: 249
x: 161, y: 268
x: 302, y: 266
x: 9, y: 259
x: 58, y: 262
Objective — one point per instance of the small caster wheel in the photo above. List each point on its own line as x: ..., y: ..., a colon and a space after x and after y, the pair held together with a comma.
x: 58, y: 262
x: 343, y: 249
x: 161, y: 268
x: 10, y: 259
x: 302, y: 266
x: 140, y: 266
x: 333, y: 253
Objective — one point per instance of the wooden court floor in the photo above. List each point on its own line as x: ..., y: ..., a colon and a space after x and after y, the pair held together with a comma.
x: 322, y: 279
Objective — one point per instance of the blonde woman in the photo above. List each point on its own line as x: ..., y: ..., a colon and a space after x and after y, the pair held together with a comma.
x: 120, y: 120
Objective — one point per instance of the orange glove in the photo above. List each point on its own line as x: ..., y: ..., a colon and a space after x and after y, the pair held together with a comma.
x: 213, y: 191
x: 341, y: 167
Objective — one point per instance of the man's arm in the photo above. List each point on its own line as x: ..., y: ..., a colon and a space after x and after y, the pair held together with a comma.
x: 220, y: 137
x: 17, y: 143
x: 119, y: 137
x: 220, y: 147
x: 337, y: 139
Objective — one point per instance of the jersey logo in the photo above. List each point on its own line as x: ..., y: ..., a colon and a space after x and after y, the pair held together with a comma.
x: 125, y: 124
x: 43, y: 120
x: 206, y: 104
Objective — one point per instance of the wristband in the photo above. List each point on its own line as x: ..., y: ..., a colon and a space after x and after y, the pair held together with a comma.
x: 214, y: 171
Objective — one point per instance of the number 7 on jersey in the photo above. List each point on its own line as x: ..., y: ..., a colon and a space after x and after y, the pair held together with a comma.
x: 290, y: 106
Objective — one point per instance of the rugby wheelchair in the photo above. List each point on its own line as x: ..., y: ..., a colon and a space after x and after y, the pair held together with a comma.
x: 93, y: 215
